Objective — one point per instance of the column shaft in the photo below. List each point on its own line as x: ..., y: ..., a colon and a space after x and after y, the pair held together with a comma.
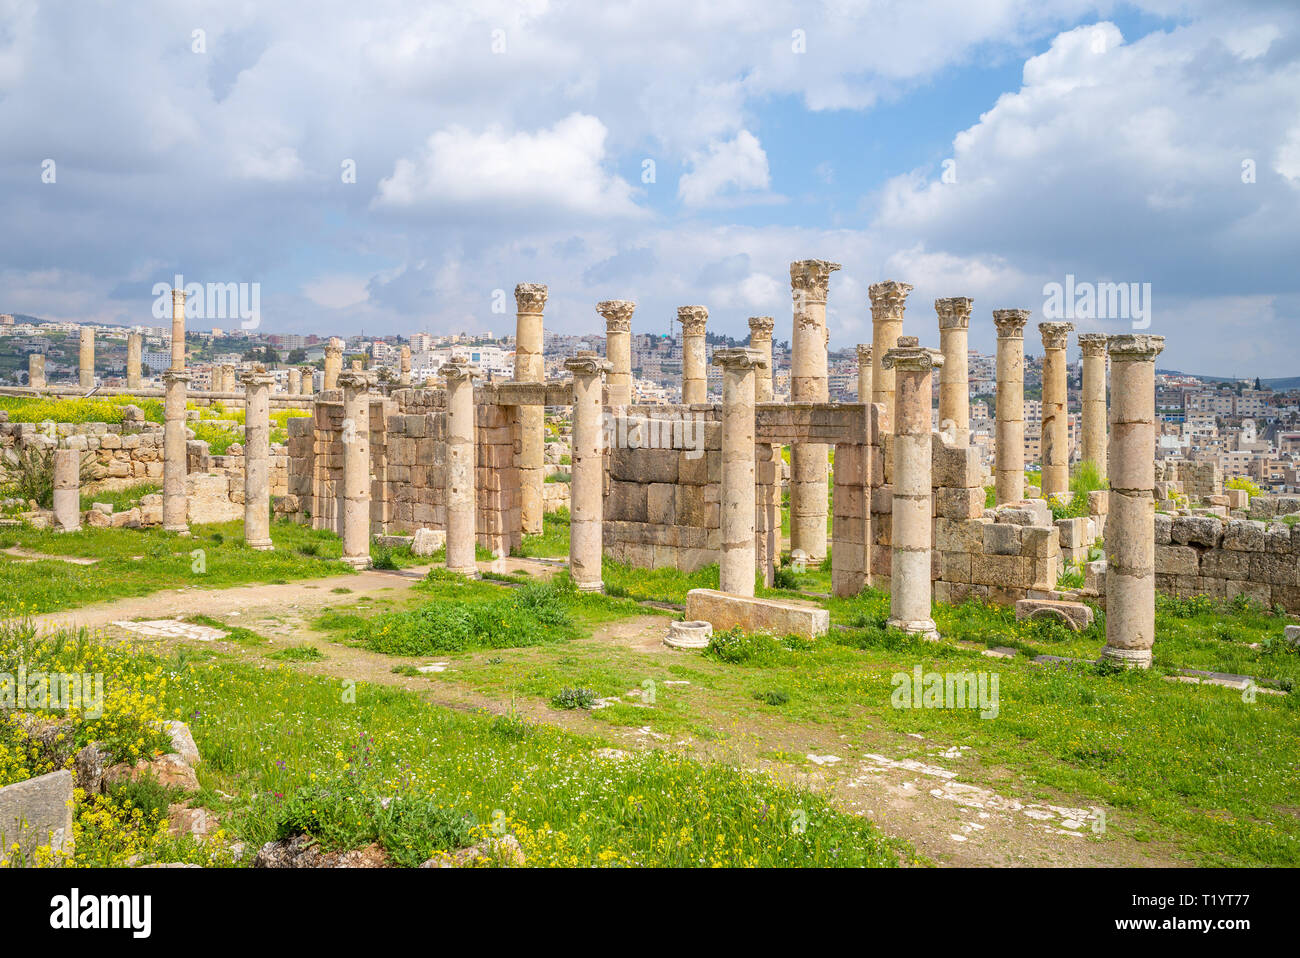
x: 67, y: 490
x: 530, y: 300
x: 1055, y: 434
x: 1010, y: 424
x: 618, y: 349
x: 356, y: 467
x: 461, y: 460
x: 587, y: 513
x: 736, y: 574
x: 809, y: 484
x: 695, y: 383
x: 36, y: 370
x: 178, y: 329
x: 257, y: 459
x: 888, y: 300
x: 86, y: 364
x: 954, y: 381
x: 134, y: 345
x: 767, y: 458
x: 1093, y: 406
x: 175, y: 501
x: 333, y: 363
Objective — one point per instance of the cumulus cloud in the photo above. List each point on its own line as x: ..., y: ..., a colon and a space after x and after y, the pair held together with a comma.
x: 737, y: 165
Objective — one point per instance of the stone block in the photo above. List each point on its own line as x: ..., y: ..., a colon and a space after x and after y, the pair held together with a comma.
x: 1001, y: 539
x: 1177, y: 560
x: 775, y: 616
x: 1074, y: 614
x: 1197, y: 530
x: 37, y: 812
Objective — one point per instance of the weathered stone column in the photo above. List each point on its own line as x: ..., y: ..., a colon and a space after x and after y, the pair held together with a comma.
x: 586, y: 507
x: 295, y: 380
x: 227, y: 379
x: 308, y: 381
x: 530, y: 301
x: 618, y: 348
x: 1010, y: 404
x: 1056, y: 417
x: 1093, y: 406
x: 767, y: 466
x: 134, y: 348
x: 175, y: 502
x: 333, y: 363
x: 178, y: 329
x: 1131, y: 522
x: 36, y: 370
x: 86, y: 363
x: 461, y: 452
x: 954, y: 381
x: 887, y: 302
x: 909, y: 598
x: 356, y: 384
x: 864, y: 374
x: 257, y: 458
x: 736, y: 574
x: 695, y: 382
x: 404, y: 366
x: 67, y: 490
x: 809, y: 282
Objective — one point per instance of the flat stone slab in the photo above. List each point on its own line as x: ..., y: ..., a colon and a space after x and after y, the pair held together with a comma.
x: 172, y: 629
x: 724, y: 611
x: 37, y: 812
x: 1001, y: 652
x: 1074, y: 614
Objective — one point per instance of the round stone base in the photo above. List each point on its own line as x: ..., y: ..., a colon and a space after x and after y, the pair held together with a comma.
x: 688, y: 635
x: 266, y: 546
x: 596, y: 586
x: 1130, y: 658
x: 469, y: 572
x: 358, y: 562
x: 921, y: 628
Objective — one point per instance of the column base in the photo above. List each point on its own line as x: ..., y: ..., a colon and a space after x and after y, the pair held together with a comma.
x: 922, y: 628
x: 358, y: 562
x: 264, y: 546
x: 597, y: 586
x: 180, y: 530
x: 1129, y: 658
x: 469, y: 572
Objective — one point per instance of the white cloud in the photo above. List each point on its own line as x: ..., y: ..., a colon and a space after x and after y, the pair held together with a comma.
x: 560, y: 168
x: 738, y: 164
x: 336, y: 292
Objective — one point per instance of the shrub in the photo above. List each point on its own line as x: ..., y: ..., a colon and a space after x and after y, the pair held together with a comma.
x: 1242, y: 482
x: 31, y: 473
x: 574, y: 698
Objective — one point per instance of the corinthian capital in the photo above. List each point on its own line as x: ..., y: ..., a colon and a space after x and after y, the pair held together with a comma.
x: 1135, y: 347
x: 760, y: 329
x: 810, y: 278
x: 954, y: 312
x: 335, y: 345
x: 864, y: 354
x: 1055, y: 335
x: 1010, y: 323
x: 617, y: 313
x: 693, y: 319
x: 530, y: 297
x: 888, y: 299
x: 1093, y: 345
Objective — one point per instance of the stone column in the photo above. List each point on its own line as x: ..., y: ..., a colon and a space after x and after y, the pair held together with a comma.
x: 1010, y: 403
x: 887, y: 302
x: 767, y: 467
x: 308, y: 380
x: 1055, y: 433
x: 333, y: 363
x: 67, y: 490
x: 954, y: 381
x: 695, y: 383
x: 586, y: 506
x: 618, y: 348
x: 909, y: 598
x: 864, y: 375
x: 809, y: 281
x: 134, y: 346
x: 295, y: 380
x: 86, y: 364
x: 227, y: 379
x: 461, y: 452
x: 1131, y: 521
x: 736, y: 574
x: 36, y: 370
x: 530, y: 301
x: 175, y: 501
x: 356, y: 384
x: 257, y: 458
x: 404, y: 366
x: 178, y: 329
x: 1094, y: 399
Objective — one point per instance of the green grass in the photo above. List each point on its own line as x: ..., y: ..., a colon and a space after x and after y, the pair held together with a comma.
x: 134, y: 562
x: 297, y: 653
x: 121, y: 499
x: 554, y: 539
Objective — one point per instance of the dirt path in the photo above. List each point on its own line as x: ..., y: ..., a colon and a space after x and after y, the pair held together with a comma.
x: 936, y: 795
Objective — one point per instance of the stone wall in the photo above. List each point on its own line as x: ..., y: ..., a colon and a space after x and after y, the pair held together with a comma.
x: 1205, y: 555
x: 1199, y: 480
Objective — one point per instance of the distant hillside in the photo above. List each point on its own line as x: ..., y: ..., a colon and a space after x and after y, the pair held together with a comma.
x: 1281, y: 385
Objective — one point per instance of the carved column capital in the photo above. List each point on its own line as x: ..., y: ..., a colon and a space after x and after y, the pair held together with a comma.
x: 617, y: 314
x: 1010, y: 323
x: 693, y: 319
x: 530, y: 297
x: 954, y: 312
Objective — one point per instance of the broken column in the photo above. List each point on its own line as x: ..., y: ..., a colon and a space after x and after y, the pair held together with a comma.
x: 1010, y: 404
x: 227, y: 384
x: 308, y: 380
x: 767, y: 459
x: 809, y: 282
x: 1093, y: 406
x: 887, y: 302
x: 36, y: 370
x: 954, y: 381
x: 67, y: 490
x: 461, y: 452
x: 404, y: 366
x: 587, y: 483
x: 134, y: 347
x: 909, y: 598
x: 695, y: 384
x: 257, y: 458
x: 295, y: 380
x: 1130, y: 523
x: 736, y: 573
x: 530, y: 301
x: 178, y: 329
x: 175, y: 502
x: 618, y: 348
x: 1055, y: 432
x: 864, y: 373
x: 333, y: 363
x: 86, y: 363
x: 355, y: 384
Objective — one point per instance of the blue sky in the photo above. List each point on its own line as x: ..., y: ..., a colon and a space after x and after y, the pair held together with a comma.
x: 503, y: 142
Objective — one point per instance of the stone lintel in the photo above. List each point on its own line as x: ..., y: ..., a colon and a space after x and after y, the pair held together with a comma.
x: 724, y: 610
